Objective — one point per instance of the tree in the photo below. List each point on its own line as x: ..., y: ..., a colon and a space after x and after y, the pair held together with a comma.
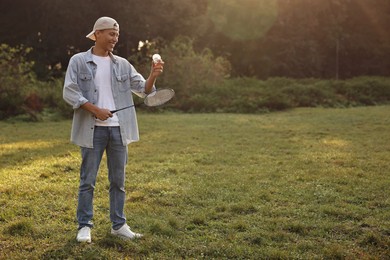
x: 262, y: 38
x: 15, y: 78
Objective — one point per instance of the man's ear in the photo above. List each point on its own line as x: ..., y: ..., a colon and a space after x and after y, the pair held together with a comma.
x: 97, y: 33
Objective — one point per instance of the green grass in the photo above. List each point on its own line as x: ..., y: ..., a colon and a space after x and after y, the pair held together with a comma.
x: 307, y: 183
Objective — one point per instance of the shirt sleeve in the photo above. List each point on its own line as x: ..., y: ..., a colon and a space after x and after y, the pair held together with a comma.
x: 137, y: 83
x: 71, y: 92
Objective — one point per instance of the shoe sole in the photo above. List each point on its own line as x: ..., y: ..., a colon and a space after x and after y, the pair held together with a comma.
x: 84, y: 240
x: 127, y: 238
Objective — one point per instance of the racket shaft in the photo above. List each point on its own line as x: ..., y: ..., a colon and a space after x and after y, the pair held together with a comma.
x: 116, y: 110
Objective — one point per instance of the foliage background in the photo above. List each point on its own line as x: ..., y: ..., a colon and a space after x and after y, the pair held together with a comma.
x: 248, y: 56
x: 206, y: 87
x: 260, y: 38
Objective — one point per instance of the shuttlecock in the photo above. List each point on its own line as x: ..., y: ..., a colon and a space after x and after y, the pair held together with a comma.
x: 156, y: 58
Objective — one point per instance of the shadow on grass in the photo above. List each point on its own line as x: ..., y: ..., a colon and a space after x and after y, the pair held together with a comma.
x: 106, y: 247
x: 74, y: 250
x: 24, y: 156
x: 21, y: 144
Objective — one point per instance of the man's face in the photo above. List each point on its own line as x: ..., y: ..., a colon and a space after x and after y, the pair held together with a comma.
x: 106, y: 39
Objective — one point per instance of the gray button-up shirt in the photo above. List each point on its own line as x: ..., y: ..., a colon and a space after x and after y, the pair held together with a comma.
x: 79, y: 88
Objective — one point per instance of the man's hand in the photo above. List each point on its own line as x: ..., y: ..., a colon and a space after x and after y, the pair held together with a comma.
x: 155, y: 71
x: 100, y: 113
x: 103, y: 114
x: 157, y: 68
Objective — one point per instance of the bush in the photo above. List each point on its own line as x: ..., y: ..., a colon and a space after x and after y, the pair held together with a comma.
x: 193, y: 72
x: 276, y: 101
x: 51, y: 94
x: 21, y: 94
x: 308, y: 95
x: 201, y: 82
x: 16, y: 81
x: 188, y: 72
x: 250, y: 95
x: 365, y: 90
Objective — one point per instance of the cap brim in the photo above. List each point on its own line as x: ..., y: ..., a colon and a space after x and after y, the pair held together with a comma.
x: 91, y: 36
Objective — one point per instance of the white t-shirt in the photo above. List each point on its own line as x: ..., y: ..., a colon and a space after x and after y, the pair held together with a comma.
x: 102, y: 81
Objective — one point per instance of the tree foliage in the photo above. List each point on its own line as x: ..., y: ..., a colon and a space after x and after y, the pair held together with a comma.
x: 187, y: 71
x: 262, y: 38
x: 244, y: 19
x: 324, y: 39
x: 15, y: 76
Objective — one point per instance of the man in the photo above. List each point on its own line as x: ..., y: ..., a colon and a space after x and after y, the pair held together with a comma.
x: 97, y: 82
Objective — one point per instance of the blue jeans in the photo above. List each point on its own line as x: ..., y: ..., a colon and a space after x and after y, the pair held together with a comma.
x: 105, y: 139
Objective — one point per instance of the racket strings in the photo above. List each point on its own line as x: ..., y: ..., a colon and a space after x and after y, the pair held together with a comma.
x: 160, y: 97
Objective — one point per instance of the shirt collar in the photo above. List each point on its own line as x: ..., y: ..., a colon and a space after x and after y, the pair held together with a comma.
x: 90, y: 59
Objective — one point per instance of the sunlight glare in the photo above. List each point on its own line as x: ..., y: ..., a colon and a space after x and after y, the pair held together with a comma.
x: 243, y: 19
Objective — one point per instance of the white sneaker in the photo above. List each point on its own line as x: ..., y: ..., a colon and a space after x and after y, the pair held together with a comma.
x: 84, y: 235
x: 125, y: 233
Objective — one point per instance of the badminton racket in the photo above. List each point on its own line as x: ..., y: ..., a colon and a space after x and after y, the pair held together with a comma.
x: 154, y: 99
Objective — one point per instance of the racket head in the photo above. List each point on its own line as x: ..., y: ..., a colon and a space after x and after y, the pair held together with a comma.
x: 159, y: 97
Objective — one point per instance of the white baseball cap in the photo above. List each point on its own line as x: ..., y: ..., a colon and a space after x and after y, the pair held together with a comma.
x: 103, y: 23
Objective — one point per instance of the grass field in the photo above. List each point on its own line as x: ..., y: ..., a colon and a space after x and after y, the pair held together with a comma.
x: 302, y: 184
